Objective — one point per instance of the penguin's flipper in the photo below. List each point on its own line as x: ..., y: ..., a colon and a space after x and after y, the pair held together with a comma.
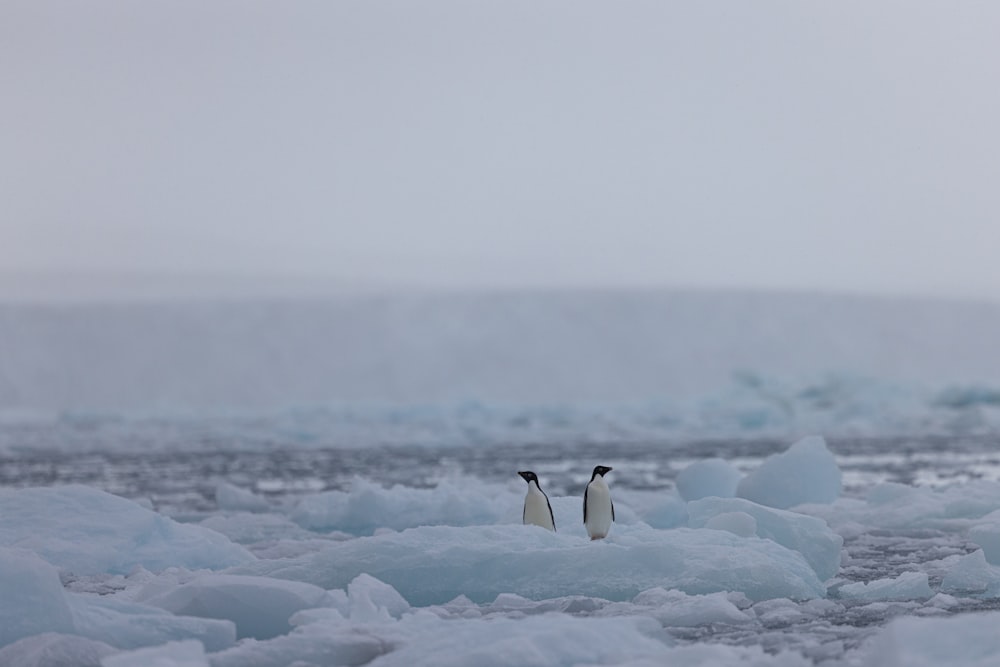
x: 612, y: 509
x: 585, y: 503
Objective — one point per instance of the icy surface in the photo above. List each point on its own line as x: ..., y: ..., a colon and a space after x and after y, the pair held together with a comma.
x: 51, y: 649
x: 32, y: 600
x: 482, y: 562
x: 260, y: 607
x: 711, y: 477
x: 806, y: 534
x: 174, y: 654
x: 233, y: 498
x: 967, y: 640
x: 806, y: 473
x: 87, y: 531
x: 128, y: 625
x: 907, y: 586
x: 368, y: 506
x: 972, y: 575
x: 987, y: 536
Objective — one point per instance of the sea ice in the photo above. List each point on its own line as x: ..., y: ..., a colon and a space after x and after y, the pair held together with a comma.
x: 128, y: 625
x: 482, y: 562
x: 987, y: 536
x: 964, y: 640
x: 900, y: 506
x: 51, y: 649
x: 677, y: 609
x: 232, y: 498
x: 32, y: 599
x: 907, y: 586
x: 87, y: 531
x: 368, y: 506
x: 259, y: 606
x: 808, y: 535
x: 737, y: 523
x: 187, y: 653
x: 973, y: 575
x: 710, y: 477
x: 806, y: 473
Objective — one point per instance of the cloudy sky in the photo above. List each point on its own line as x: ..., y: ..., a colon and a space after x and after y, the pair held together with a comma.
x: 797, y: 145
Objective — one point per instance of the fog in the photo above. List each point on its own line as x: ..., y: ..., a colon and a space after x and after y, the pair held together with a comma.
x: 845, y: 146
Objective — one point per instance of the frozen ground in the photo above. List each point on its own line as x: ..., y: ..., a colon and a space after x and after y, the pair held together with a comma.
x: 415, y: 556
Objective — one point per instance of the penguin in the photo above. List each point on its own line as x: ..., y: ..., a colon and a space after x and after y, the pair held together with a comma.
x: 598, y: 510
x: 537, y: 509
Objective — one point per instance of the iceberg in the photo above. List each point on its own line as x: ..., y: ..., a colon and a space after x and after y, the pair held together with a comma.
x: 808, y: 535
x: 806, y: 473
x: 710, y: 477
x: 87, y: 531
x: 434, y: 564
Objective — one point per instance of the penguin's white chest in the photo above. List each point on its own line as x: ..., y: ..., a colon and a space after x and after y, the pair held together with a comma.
x: 598, y: 509
x: 536, y: 508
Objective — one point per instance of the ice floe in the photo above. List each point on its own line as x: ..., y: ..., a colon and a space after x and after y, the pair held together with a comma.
x: 85, y: 531
x: 482, y: 562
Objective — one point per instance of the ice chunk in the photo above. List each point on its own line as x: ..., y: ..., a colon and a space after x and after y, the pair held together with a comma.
x: 128, y: 625
x: 806, y: 473
x: 907, y: 586
x: 87, y: 531
x: 899, y: 506
x: 737, y: 523
x: 234, y: 499
x: 987, y: 536
x: 808, y: 535
x: 711, y: 477
x: 973, y: 575
x: 368, y: 506
x: 368, y: 595
x: 32, y: 599
x: 188, y: 653
x: 259, y: 606
x: 51, y: 649
x: 434, y: 564
x: 678, y: 609
x: 965, y: 640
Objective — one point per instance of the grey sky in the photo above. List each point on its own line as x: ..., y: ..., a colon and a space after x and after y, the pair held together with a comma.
x: 836, y: 145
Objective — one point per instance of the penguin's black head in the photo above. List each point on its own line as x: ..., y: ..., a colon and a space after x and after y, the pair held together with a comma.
x: 528, y: 476
x: 600, y: 470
